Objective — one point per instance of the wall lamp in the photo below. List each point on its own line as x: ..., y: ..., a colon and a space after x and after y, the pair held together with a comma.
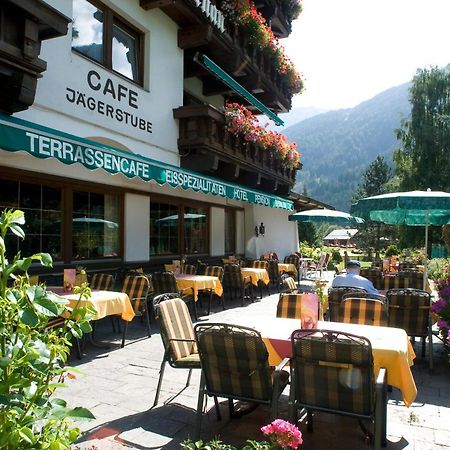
x: 260, y: 231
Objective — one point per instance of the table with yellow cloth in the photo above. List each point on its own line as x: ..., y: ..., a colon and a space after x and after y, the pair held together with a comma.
x: 283, y: 267
x: 391, y: 348
x: 105, y: 303
x: 256, y: 275
x: 198, y: 283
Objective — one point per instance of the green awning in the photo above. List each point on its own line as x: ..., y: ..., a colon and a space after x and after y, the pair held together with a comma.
x: 233, y: 84
x: 43, y: 142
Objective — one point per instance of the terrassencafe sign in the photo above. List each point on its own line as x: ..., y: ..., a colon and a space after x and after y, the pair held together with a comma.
x: 43, y: 142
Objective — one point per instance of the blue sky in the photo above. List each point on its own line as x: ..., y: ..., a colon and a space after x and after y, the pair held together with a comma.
x: 350, y: 50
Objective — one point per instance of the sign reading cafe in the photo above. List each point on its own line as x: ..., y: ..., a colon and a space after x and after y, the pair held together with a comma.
x: 42, y: 142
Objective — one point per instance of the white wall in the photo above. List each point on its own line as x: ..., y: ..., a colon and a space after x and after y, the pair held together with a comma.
x: 137, y: 213
x: 240, y: 232
x: 217, y: 231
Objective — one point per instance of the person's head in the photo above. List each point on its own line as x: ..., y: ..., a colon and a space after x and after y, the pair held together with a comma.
x: 353, y: 266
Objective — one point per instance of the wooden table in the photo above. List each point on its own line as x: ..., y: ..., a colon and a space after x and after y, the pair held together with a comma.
x: 256, y: 275
x: 198, y: 283
x: 105, y: 303
x: 391, y: 347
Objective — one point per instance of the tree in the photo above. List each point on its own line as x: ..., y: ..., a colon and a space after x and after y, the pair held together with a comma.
x: 375, y: 181
x: 423, y: 160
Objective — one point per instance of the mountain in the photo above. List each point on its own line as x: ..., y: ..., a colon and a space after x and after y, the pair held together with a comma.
x: 337, y: 146
x: 294, y: 116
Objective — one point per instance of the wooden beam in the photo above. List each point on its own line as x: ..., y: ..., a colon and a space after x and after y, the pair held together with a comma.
x: 153, y: 4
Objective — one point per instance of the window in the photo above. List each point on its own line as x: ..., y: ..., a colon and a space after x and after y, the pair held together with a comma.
x: 177, y: 229
x: 230, y: 231
x: 43, y: 214
x: 99, y: 34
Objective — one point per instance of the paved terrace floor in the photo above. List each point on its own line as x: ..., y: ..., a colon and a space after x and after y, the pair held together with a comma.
x: 119, y: 385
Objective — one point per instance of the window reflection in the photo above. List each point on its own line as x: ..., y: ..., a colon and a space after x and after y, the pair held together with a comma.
x: 195, y: 230
x: 163, y: 229
x: 124, y: 53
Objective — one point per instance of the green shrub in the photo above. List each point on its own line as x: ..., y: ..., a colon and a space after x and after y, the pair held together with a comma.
x: 391, y: 251
x: 32, y: 362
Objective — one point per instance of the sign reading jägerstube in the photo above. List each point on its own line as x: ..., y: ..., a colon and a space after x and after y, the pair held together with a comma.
x: 43, y: 142
x: 111, y: 91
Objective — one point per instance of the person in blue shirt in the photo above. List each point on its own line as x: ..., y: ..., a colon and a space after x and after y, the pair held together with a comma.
x: 353, y: 279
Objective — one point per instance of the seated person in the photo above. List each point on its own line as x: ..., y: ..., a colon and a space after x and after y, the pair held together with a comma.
x: 353, y: 279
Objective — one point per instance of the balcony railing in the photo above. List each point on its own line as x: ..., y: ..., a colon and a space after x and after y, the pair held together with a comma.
x: 207, y: 147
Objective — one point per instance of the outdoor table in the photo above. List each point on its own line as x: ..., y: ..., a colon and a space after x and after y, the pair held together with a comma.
x: 283, y: 267
x: 105, y: 303
x: 198, y: 283
x: 256, y: 275
x: 391, y: 347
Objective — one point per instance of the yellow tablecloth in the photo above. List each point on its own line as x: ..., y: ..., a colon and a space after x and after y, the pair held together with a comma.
x: 391, y: 348
x: 282, y: 267
x: 256, y: 275
x: 198, y: 283
x: 106, y: 303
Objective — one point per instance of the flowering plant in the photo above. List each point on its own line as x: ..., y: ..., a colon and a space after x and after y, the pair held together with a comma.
x: 241, y: 122
x: 442, y: 306
x: 245, y: 14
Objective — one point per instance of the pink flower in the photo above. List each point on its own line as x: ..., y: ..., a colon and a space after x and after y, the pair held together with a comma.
x: 283, y: 433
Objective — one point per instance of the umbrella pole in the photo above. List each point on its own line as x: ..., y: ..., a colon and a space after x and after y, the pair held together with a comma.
x: 426, y: 251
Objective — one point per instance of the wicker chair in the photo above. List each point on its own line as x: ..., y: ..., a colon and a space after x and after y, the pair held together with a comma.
x: 365, y: 311
x: 235, y: 366
x: 214, y: 271
x: 335, y: 296
x: 325, y: 362
x: 166, y: 283
x: 235, y: 283
x: 410, y: 309
x: 137, y: 288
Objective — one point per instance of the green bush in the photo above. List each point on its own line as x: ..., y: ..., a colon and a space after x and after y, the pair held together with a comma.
x: 32, y: 360
x: 391, y: 251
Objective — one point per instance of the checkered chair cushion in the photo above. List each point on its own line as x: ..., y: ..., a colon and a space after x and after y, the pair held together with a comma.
x: 164, y: 282
x: 136, y: 287
x: 177, y: 332
x: 409, y: 309
x: 214, y: 271
x: 274, y: 272
x: 234, y: 362
x: 374, y: 275
x: 407, y: 265
x: 189, y: 269
x: 333, y: 372
x: 365, y: 311
x: 232, y: 276
x: 259, y: 264
x: 289, y: 306
x: 293, y: 259
x: 335, y: 296
x: 405, y: 279
x: 101, y: 281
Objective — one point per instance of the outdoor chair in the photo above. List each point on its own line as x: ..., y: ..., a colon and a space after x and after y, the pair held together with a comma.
x: 58, y: 322
x: 137, y: 288
x: 201, y: 266
x: 235, y: 283
x: 177, y: 334
x: 274, y: 275
x: 374, y: 275
x: 214, y: 271
x: 295, y: 260
x: 410, y: 309
x: 407, y: 265
x: 404, y: 280
x: 288, y: 284
x: 235, y: 366
x: 365, y: 311
x: 335, y: 296
x: 289, y: 306
x: 189, y: 269
x: 166, y: 283
x: 333, y: 372
x: 101, y: 281
x: 258, y: 264
x: 318, y: 267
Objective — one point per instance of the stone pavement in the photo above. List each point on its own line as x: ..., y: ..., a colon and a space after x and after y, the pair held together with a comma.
x: 118, y: 386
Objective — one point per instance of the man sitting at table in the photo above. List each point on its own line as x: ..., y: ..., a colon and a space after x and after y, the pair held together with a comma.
x: 352, y: 278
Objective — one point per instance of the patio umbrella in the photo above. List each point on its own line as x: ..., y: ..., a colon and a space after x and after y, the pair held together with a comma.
x: 326, y: 215
x: 172, y: 220
x: 413, y: 208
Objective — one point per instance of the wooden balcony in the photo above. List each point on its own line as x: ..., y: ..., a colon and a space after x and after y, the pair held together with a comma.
x: 277, y: 15
x: 231, y: 50
x: 23, y: 26
x: 206, y: 147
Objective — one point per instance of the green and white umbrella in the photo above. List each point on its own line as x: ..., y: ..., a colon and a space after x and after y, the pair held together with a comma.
x: 413, y: 208
x: 326, y: 216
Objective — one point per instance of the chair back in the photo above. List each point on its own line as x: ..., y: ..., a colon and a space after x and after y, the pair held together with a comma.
x: 189, y: 269
x: 403, y: 280
x: 409, y: 309
x: 177, y: 331
x: 273, y: 271
x: 335, y: 296
x: 333, y: 371
x: 374, y: 275
x: 364, y: 311
x: 292, y: 259
x: 288, y: 284
x: 232, y: 276
x: 101, y: 281
x: 289, y: 306
x: 136, y: 287
x: 407, y: 265
x: 164, y: 282
x: 303, y: 306
x: 234, y: 361
x: 201, y: 266
x: 258, y: 264
x: 214, y: 271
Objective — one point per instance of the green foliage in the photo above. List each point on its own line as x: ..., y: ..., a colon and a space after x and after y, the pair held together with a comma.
x: 308, y: 233
x: 391, y: 251
x: 308, y: 251
x: 438, y: 268
x: 32, y: 358
x: 336, y: 256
